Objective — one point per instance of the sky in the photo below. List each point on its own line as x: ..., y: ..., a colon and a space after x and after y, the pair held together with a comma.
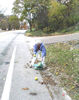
x: 6, y: 5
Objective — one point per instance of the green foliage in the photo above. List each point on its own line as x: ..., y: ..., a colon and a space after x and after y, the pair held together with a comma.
x: 56, y: 8
x: 48, y: 13
x: 17, y: 7
x: 9, y: 22
x: 72, y: 29
x: 13, y: 22
x: 32, y: 10
x: 63, y: 15
x: 3, y: 24
x: 46, y: 29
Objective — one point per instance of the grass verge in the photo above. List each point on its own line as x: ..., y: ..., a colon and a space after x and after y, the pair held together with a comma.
x: 35, y: 33
x: 41, y: 33
x: 69, y: 30
x: 63, y: 60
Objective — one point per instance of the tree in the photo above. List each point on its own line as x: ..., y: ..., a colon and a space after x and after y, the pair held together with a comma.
x: 56, y: 15
x: 3, y: 24
x: 35, y: 11
x: 18, y: 7
x: 63, y: 15
x: 13, y: 22
x: 3, y: 21
x: 44, y: 14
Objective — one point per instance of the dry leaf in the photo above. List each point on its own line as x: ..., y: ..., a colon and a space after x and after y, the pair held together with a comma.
x: 25, y: 88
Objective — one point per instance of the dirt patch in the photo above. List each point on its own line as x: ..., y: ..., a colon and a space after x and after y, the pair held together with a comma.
x: 47, y: 79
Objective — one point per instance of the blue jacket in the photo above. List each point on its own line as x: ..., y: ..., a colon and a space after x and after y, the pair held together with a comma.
x: 42, y: 49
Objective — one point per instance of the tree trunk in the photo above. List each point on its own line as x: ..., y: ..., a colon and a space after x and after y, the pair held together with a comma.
x: 30, y: 25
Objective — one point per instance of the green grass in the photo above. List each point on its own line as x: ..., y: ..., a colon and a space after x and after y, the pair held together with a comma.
x: 35, y: 33
x: 64, y: 63
x: 39, y: 33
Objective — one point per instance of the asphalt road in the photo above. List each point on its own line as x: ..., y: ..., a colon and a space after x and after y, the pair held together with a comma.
x: 16, y: 78
x: 59, y: 38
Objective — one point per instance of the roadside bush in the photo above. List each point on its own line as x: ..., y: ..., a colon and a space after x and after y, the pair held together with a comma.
x: 46, y: 29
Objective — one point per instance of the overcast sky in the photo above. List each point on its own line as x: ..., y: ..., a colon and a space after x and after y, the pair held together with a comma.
x: 6, y: 5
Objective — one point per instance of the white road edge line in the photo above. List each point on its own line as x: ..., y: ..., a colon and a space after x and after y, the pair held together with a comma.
x: 7, y: 86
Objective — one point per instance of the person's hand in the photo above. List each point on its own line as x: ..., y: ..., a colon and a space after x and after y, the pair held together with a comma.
x: 34, y: 55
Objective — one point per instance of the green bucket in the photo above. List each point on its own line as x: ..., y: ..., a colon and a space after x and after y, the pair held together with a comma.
x: 38, y: 66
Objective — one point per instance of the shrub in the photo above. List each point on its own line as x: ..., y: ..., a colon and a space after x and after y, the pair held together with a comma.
x: 46, y: 29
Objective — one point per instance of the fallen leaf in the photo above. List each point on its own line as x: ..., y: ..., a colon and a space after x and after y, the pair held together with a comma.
x: 62, y: 70
x: 57, y: 73
x: 25, y: 88
x: 72, y: 87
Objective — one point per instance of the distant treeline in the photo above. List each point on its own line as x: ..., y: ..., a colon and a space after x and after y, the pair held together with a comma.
x: 9, y: 22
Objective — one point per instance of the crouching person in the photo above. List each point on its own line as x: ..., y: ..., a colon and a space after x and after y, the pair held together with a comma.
x: 39, y: 47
